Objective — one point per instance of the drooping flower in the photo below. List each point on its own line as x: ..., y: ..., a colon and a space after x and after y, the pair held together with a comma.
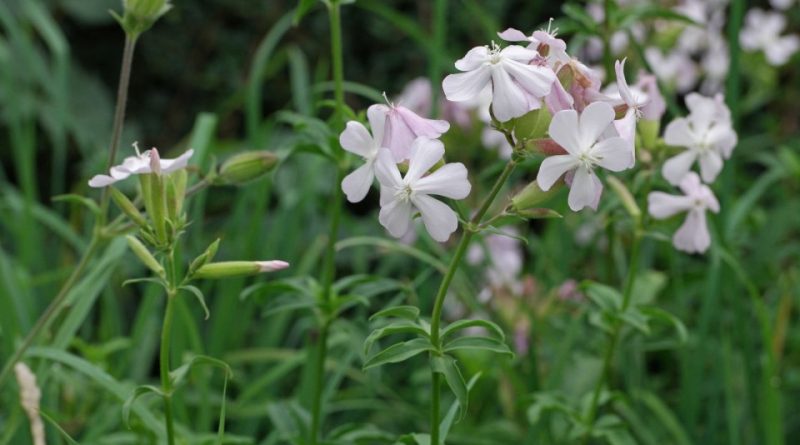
x: 707, y: 135
x: 403, y: 126
x: 357, y: 140
x: 141, y: 164
x: 401, y: 196
x: 580, y: 137
x: 762, y: 31
x: 516, y: 86
x: 692, y: 236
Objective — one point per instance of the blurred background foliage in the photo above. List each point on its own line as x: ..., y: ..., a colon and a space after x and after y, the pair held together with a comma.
x: 218, y: 75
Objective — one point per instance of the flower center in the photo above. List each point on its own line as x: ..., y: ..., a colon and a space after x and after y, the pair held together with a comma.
x: 404, y: 193
x: 587, y: 160
x: 494, y: 54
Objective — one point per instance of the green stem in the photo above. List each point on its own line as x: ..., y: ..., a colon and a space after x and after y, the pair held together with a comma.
x: 53, y: 309
x: 445, y: 285
x: 439, y: 33
x: 633, y: 267
x: 329, y: 264
x: 166, y: 383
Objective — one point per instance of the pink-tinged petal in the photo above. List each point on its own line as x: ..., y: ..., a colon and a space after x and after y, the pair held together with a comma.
x: 430, y: 128
x: 508, y: 98
x: 583, y: 191
x: 690, y: 185
x: 356, y: 139
x: 518, y: 53
x: 171, y: 165
x: 449, y: 181
x: 558, y: 99
x: 272, y: 265
x: 386, y: 169
x: 678, y: 166
x: 693, y: 236
x: 473, y: 59
x: 376, y: 114
x: 134, y: 165
x: 710, y: 166
x: 536, y: 80
x: 679, y: 133
x: 615, y: 154
x: 622, y: 83
x: 552, y: 168
x: 395, y: 216
x: 398, y: 137
x: 99, y: 181
x: 626, y: 128
x: 662, y: 205
x: 466, y: 86
x: 416, y: 96
x: 513, y: 35
x: 655, y: 108
x: 356, y: 185
x: 440, y: 220
x: 594, y: 120
x: 425, y: 153
x: 564, y: 130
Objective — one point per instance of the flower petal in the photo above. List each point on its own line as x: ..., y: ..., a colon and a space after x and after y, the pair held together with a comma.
x: 425, y: 153
x: 552, y: 168
x: 376, y: 114
x: 395, y: 216
x: 564, y: 130
x: 99, y: 181
x: 678, y: 166
x: 662, y: 205
x: 171, y: 165
x: 710, y: 166
x: 474, y: 58
x: 399, y: 137
x: 693, y: 236
x: 430, y: 128
x: 513, y: 35
x: 356, y: 139
x: 386, y: 169
x: 356, y: 185
x: 622, y: 83
x: 593, y: 122
x: 615, y: 154
x: 508, y: 98
x: 536, y: 80
x: 465, y: 86
x: 679, y: 133
x: 440, y: 220
x: 449, y: 181
x: 583, y: 191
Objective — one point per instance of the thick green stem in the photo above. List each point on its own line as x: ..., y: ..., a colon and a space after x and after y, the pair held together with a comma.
x: 630, y: 278
x: 166, y: 383
x: 53, y: 309
x: 335, y: 210
x: 445, y: 286
x: 439, y: 33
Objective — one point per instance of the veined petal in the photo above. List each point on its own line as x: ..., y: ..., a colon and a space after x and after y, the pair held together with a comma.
x: 465, y: 86
x: 508, y: 98
x: 536, y: 80
x: 710, y: 166
x: 395, y: 216
x: 583, y: 191
x: 473, y: 59
x: 693, y: 236
x: 430, y: 128
x: 594, y: 120
x: 425, y: 153
x: 518, y: 53
x: 615, y: 154
x: 356, y: 139
x: 386, y: 169
x: 679, y: 133
x: 171, y: 165
x: 449, y: 181
x: 440, y: 220
x: 552, y: 168
x: 662, y: 205
x: 356, y: 185
x: 399, y: 137
x: 564, y: 130
x: 678, y: 166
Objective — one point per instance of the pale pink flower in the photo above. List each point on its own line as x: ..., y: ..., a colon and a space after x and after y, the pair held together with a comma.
x: 655, y: 107
x: 580, y: 137
x: 675, y: 68
x: 762, y: 31
x: 543, y: 41
x: 139, y: 165
x: 516, y: 86
x: 357, y: 140
x: 782, y: 4
x: 403, y: 126
x: 692, y: 236
x: 400, y: 196
x: 271, y: 265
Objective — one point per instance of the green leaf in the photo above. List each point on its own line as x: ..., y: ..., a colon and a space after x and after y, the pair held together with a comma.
x: 448, y: 367
x: 478, y: 344
x: 398, y: 352
x: 400, y: 327
x: 58, y: 428
x: 466, y: 324
x: 662, y: 315
x: 80, y: 200
x: 549, y: 401
x: 179, y: 374
x: 139, y: 391
x: 198, y: 295
x: 158, y: 281
x: 634, y: 317
x: 303, y: 7
x: 405, y: 312
x: 608, y: 298
x: 450, y: 417
x: 584, y: 21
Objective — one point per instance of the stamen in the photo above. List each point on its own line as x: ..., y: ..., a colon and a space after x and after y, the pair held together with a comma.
x: 388, y: 102
x: 136, y: 147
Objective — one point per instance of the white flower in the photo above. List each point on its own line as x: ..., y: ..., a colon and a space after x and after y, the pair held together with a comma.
x: 403, y: 126
x: 543, y: 41
x: 676, y: 68
x: 356, y: 139
x: 517, y: 87
x: 707, y: 135
x: 401, y: 195
x: 762, y: 31
x: 579, y: 137
x: 692, y: 236
x: 138, y: 165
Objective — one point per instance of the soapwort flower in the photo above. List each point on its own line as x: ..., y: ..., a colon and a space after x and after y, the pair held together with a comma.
x: 357, y: 140
x: 400, y: 196
x: 403, y: 126
x: 139, y: 165
x: 762, y: 31
x: 692, y: 236
x: 516, y: 86
x: 580, y: 137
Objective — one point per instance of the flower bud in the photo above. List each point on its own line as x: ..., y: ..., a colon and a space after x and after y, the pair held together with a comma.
x: 226, y: 269
x: 145, y: 256
x: 531, y: 196
x: 204, y: 258
x: 127, y: 207
x: 245, y: 167
x: 545, y: 146
x: 532, y: 125
x: 140, y: 15
x: 176, y: 191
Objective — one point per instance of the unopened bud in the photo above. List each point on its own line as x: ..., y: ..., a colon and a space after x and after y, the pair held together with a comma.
x: 204, y: 258
x: 176, y: 191
x: 246, y: 167
x: 127, y: 207
x: 533, y: 125
x: 155, y: 161
x: 140, y: 15
x: 145, y: 256
x: 226, y: 269
x: 531, y: 196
